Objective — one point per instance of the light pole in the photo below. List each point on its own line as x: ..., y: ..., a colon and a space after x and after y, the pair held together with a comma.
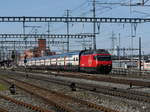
x: 94, y: 26
x: 140, y: 54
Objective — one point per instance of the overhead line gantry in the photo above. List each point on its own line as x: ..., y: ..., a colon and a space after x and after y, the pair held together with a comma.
x: 74, y: 19
x: 79, y: 36
x: 24, y: 19
x: 29, y: 42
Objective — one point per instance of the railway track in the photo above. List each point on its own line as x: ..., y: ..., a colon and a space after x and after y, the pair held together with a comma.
x: 108, y: 79
x: 97, y: 78
x: 128, y: 94
x: 40, y: 94
x: 23, y: 104
x: 57, y: 97
x: 3, y: 110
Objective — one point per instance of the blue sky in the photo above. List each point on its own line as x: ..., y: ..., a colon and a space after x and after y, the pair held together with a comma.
x: 79, y: 8
x: 36, y: 7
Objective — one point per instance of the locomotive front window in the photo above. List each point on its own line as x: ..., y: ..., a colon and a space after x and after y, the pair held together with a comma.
x: 102, y: 58
x: 102, y: 51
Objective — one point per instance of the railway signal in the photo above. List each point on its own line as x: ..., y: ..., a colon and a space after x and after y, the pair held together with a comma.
x: 13, y: 55
x: 25, y: 59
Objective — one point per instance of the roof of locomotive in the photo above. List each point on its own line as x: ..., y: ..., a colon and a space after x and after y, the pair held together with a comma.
x: 98, y: 51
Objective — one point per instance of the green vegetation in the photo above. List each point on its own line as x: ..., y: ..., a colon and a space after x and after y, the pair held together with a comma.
x: 2, y: 87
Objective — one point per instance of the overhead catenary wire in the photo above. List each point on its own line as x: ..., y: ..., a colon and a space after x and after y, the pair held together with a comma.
x: 80, y: 6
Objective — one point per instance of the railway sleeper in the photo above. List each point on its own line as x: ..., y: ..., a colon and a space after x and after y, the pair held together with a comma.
x: 92, y: 105
x: 3, y: 110
x: 35, y: 108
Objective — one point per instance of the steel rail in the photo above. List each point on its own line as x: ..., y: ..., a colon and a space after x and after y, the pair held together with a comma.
x: 52, y: 101
x: 73, y: 99
x: 26, y: 105
x: 3, y: 110
x: 103, y: 78
x: 139, y: 96
x: 107, y: 79
x: 114, y: 91
x: 128, y: 94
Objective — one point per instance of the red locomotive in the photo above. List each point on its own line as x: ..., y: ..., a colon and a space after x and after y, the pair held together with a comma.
x: 98, y: 61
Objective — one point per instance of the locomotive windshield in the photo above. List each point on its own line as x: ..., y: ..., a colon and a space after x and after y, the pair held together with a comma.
x: 102, y: 51
x: 102, y: 58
